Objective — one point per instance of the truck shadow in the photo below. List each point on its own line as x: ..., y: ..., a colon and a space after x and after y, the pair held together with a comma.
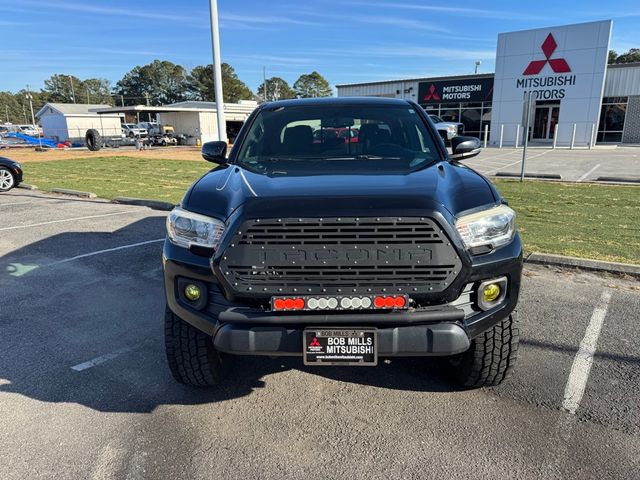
x: 57, y: 313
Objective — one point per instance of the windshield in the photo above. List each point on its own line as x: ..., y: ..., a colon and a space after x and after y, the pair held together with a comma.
x: 337, y: 138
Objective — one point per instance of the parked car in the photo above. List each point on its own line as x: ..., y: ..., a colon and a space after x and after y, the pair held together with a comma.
x: 10, y: 174
x: 132, y: 130
x: 447, y: 130
x: 342, y: 254
x: 31, y: 130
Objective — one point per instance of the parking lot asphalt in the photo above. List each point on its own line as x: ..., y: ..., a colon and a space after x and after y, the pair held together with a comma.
x: 85, y: 391
x: 579, y: 165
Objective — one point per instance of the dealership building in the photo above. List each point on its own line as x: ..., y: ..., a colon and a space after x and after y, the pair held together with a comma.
x: 557, y: 74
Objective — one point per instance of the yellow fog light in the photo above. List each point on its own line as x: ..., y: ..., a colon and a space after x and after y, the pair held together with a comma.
x: 491, y: 292
x: 192, y: 292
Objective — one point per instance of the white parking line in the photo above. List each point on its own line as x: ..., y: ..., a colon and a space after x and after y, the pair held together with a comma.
x: 101, y: 359
x: 588, y: 173
x: 17, y: 227
x: 581, y: 367
x: 15, y: 203
x: 107, y: 250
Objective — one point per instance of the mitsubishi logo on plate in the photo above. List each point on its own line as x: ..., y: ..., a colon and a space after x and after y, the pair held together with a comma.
x: 431, y: 94
x: 558, y: 65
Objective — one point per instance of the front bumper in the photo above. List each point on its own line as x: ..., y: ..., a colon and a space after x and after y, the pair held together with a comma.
x: 243, y: 329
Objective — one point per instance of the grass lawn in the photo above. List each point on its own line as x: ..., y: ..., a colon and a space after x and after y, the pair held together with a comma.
x: 110, y: 177
x: 582, y: 220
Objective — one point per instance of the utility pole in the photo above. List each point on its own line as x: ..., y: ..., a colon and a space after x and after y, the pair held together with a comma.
x: 24, y: 112
x: 87, y: 89
x: 73, y: 94
x: 264, y: 82
x: 33, y: 118
x: 122, y: 99
x: 217, y: 70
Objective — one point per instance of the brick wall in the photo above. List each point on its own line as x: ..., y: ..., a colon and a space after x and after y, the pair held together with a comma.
x: 632, y: 121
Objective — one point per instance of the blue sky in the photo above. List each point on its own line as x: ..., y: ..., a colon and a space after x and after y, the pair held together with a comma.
x: 345, y: 40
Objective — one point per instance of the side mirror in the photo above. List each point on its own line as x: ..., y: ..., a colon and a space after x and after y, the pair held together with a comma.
x: 464, y: 147
x: 215, y: 152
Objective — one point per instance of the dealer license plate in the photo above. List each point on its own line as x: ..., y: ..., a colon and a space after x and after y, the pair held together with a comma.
x: 340, y: 346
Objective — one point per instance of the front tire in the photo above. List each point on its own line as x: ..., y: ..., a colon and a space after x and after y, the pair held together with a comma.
x: 192, y: 358
x: 491, y: 357
x: 7, y: 180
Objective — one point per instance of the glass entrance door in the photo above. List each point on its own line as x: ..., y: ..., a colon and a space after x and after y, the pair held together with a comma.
x: 545, y: 120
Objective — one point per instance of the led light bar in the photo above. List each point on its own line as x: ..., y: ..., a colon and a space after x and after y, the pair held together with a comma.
x: 356, y: 302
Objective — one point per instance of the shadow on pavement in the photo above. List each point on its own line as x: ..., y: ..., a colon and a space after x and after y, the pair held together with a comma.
x: 57, y: 315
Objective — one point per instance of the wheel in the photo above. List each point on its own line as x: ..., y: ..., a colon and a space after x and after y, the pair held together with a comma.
x: 93, y: 139
x: 490, y: 358
x: 192, y: 358
x: 7, y: 180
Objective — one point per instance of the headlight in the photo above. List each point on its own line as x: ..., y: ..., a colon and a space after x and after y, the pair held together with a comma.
x: 186, y: 228
x: 494, y: 227
x: 452, y: 128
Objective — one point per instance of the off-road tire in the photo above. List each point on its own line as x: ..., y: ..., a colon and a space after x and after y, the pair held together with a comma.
x: 93, y: 140
x: 491, y: 357
x: 192, y: 358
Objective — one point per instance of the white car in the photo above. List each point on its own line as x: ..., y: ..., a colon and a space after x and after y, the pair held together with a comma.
x: 452, y: 129
x: 132, y: 130
x: 31, y: 130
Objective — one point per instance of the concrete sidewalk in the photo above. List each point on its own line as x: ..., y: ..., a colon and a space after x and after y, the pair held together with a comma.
x: 578, y: 165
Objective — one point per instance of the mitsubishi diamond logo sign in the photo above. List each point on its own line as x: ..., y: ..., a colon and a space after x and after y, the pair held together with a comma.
x: 432, y: 94
x: 558, y: 65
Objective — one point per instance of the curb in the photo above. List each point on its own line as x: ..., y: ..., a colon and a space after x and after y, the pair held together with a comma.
x: 75, y: 193
x: 552, y: 176
x: 594, y: 265
x: 619, y: 179
x: 27, y: 186
x: 141, y: 202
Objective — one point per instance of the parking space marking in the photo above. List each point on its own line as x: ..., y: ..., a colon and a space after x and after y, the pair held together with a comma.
x: 588, y: 173
x: 107, y: 250
x: 17, y: 227
x: 101, y: 359
x: 15, y: 203
x: 583, y: 361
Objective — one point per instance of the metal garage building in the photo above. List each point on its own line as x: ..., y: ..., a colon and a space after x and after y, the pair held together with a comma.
x: 195, y: 120
x: 70, y: 121
x: 577, y: 97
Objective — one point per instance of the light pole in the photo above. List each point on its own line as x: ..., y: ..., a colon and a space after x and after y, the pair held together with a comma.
x: 478, y: 62
x: 33, y: 118
x: 73, y: 94
x: 217, y: 70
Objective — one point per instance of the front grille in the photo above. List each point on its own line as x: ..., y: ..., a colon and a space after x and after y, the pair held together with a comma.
x: 339, y: 255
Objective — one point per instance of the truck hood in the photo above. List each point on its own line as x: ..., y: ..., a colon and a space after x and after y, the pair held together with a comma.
x: 443, y: 185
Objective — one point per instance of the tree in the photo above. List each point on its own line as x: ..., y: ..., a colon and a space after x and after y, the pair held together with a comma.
x: 61, y: 88
x: 612, y: 57
x: 96, y: 91
x: 277, y: 89
x: 632, y: 56
x: 160, y: 82
x: 201, y: 85
x: 312, y: 85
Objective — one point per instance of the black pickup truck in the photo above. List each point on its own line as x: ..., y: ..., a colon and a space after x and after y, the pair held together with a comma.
x: 342, y: 250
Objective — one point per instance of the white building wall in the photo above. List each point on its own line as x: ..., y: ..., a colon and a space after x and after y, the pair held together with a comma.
x: 585, y: 48
x: 107, y: 125
x: 185, y: 123
x: 622, y: 81
x: 54, y: 126
x: 383, y: 89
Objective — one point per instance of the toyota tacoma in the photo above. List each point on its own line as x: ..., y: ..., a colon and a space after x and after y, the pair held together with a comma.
x: 342, y: 253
